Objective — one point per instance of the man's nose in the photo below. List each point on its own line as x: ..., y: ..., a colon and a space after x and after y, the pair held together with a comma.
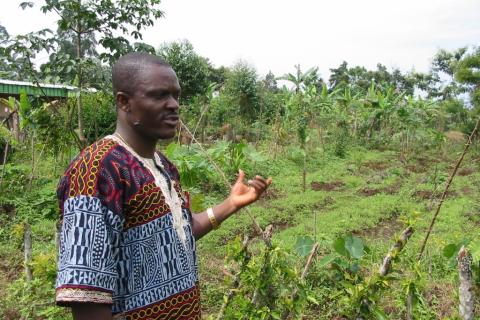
x: 173, y: 103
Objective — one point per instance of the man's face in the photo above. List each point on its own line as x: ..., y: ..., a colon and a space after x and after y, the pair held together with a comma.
x: 154, y: 103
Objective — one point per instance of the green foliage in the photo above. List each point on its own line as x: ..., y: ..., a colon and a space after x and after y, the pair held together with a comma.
x: 242, y: 91
x: 193, y: 70
x: 100, y: 115
x: 304, y: 245
x: 271, y: 278
x: 32, y: 300
x: 197, y: 169
x: 467, y: 71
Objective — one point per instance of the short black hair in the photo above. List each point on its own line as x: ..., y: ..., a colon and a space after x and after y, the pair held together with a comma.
x: 127, y: 69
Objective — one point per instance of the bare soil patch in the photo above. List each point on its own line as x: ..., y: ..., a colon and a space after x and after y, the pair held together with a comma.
x: 416, y: 168
x: 427, y: 194
x: 421, y: 164
x: 392, y: 189
x: 377, y: 165
x: 465, y: 172
x: 271, y: 194
x: 325, y: 203
x: 384, y: 229
x: 326, y: 186
x: 368, y: 192
x: 467, y: 191
x: 440, y: 298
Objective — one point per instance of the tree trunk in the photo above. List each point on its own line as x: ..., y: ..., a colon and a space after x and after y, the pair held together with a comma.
x: 32, y: 171
x: 27, y: 240
x: 4, y: 163
x: 304, y: 171
x: 81, y: 134
x: 16, y: 125
x: 466, y: 284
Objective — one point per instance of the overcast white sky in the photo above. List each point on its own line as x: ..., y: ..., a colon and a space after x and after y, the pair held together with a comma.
x: 277, y: 34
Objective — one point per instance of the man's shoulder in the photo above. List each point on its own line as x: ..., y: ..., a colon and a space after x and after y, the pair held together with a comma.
x: 96, y: 155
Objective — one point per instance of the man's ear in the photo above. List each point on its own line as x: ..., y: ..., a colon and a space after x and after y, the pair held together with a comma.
x: 122, y: 100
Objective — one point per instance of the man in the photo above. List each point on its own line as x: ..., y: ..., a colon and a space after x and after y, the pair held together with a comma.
x: 128, y: 238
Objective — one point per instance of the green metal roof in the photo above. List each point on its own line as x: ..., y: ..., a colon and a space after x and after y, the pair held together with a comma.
x: 8, y: 87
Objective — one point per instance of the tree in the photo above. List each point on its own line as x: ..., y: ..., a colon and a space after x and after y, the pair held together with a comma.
x: 106, y: 20
x: 18, y: 53
x: 218, y: 75
x: 301, y: 80
x: 468, y: 72
x: 338, y: 76
x: 193, y: 70
x: 443, y: 68
x: 270, y: 82
x: 241, y: 87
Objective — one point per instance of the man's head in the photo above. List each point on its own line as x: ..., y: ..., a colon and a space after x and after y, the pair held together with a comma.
x: 146, y: 90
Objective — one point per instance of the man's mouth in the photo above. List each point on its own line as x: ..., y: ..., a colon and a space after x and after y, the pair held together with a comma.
x: 171, y: 119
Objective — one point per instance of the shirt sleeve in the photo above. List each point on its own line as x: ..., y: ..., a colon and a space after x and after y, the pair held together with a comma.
x: 92, y: 225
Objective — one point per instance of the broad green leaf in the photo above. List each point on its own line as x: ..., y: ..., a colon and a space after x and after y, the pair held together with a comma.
x: 304, y: 245
x: 354, y: 246
x: 326, y: 260
x: 449, y: 250
x: 341, y: 263
x: 339, y: 246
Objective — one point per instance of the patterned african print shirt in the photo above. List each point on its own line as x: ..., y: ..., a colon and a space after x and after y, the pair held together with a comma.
x: 118, y: 245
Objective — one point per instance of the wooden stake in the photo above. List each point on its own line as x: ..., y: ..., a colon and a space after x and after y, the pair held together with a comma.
x: 394, y: 251
x: 27, y: 241
x: 465, y: 291
x: 287, y: 314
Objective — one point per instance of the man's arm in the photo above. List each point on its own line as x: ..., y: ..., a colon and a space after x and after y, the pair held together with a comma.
x: 91, y: 311
x: 240, y: 196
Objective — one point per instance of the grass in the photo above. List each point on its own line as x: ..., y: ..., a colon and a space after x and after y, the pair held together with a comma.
x: 368, y: 194
x: 349, y: 208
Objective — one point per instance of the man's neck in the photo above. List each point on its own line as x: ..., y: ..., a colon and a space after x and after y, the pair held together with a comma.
x: 142, y: 146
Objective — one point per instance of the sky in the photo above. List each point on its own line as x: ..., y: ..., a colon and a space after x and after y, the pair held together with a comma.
x: 278, y: 34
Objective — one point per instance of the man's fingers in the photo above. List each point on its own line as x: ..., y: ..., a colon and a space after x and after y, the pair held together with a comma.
x: 241, y: 176
x: 266, y: 181
x: 257, y: 185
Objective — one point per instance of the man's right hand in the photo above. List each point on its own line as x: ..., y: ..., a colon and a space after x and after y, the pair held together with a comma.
x: 91, y: 311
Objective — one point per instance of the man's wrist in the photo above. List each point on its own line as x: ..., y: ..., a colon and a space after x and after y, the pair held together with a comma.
x: 230, y: 206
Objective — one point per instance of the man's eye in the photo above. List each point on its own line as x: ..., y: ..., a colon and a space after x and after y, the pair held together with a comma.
x: 161, y: 95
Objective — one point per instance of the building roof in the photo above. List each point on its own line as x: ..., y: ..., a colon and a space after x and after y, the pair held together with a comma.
x: 9, y: 87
